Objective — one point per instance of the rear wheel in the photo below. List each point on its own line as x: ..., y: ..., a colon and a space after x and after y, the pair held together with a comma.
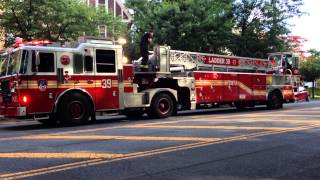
x: 162, y: 106
x: 51, y: 121
x: 74, y: 109
x: 240, y: 105
x: 275, y: 101
x: 134, y: 114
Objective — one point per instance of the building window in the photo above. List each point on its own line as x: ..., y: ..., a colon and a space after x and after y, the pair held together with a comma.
x: 102, y: 2
x: 92, y: 3
x: 102, y: 31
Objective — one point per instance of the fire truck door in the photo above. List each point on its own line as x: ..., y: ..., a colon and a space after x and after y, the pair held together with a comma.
x: 245, y: 87
x: 259, y: 87
x: 106, y: 80
x: 230, y: 92
x: 216, y: 87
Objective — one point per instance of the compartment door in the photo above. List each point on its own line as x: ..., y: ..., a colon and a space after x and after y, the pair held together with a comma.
x: 106, y: 79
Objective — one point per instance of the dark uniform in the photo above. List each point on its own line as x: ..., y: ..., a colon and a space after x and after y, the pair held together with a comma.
x: 144, y: 50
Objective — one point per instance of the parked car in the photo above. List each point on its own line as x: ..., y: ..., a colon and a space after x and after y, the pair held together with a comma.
x: 302, y: 94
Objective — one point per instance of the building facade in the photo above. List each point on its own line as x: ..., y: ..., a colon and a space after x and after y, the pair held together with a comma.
x: 116, y: 7
x: 2, y: 36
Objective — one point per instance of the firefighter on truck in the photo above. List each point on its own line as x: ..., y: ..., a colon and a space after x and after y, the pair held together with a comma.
x: 71, y: 84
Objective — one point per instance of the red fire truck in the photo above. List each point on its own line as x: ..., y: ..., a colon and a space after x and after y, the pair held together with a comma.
x: 71, y: 84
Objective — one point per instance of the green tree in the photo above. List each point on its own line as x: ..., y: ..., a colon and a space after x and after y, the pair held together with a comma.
x: 194, y: 25
x: 310, y: 69
x: 260, y: 24
x: 245, y: 27
x: 249, y: 37
x: 314, y: 53
x: 276, y: 15
x: 55, y: 20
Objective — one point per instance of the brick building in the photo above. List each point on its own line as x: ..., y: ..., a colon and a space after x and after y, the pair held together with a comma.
x: 2, y: 36
x: 116, y: 7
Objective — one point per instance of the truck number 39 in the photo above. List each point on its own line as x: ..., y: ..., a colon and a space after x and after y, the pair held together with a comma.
x: 106, y: 83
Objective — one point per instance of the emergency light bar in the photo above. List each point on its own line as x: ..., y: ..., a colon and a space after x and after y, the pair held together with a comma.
x: 31, y: 43
x: 100, y: 42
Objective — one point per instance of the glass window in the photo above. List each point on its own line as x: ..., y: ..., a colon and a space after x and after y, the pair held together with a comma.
x: 292, y: 61
x: 275, y: 60
x: 3, y: 65
x: 24, y: 62
x: 46, y: 62
x: 13, y: 63
x: 296, y: 62
x: 88, y: 64
x: 105, y: 60
x: 103, y: 31
x: 77, y: 64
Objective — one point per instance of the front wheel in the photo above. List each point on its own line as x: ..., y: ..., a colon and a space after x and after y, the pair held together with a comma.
x: 74, y: 109
x: 162, y: 106
x: 275, y: 101
x: 51, y: 121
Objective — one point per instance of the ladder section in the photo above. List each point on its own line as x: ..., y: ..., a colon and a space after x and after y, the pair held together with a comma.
x: 194, y: 61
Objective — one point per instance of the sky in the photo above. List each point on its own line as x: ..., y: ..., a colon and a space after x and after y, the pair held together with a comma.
x: 308, y: 26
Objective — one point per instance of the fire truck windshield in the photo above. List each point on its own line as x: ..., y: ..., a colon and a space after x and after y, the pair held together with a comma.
x: 10, y: 63
x: 3, y: 65
x: 284, y: 60
x: 275, y: 60
x: 292, y: 61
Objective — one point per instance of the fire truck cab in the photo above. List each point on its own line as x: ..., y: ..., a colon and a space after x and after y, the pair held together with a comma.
x: 70, y: 84
x: 286, y: 63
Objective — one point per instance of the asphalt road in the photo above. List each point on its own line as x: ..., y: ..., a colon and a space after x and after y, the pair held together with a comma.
x: 219, y: 144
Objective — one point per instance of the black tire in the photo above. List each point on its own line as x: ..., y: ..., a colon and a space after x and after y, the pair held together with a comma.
x: 240, y: 105
x: 162, y: 106
x: 134, y: 114
x: 275, y: 101
x: 251, y: 104
x: 51, y: 121
x: 74, y: 109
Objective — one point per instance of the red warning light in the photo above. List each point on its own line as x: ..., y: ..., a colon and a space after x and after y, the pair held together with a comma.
x: 24, y: 100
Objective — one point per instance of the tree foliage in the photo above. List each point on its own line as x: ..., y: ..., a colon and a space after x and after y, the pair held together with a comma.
x: 202, y: 25
x: 310, y: 69
x: 244, y: 27
x: 56, y: 20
